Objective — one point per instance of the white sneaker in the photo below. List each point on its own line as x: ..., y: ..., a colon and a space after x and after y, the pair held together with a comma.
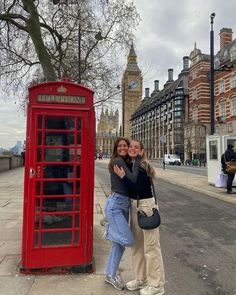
x: 135, y: 285
x: 149, y: 290
x: 116, y: 282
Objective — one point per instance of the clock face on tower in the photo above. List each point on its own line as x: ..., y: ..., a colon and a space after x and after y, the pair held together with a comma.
x: 133, y: 84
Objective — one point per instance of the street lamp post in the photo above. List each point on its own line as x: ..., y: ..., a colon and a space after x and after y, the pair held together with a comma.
x: 79, y: 54
x: 212, y: 104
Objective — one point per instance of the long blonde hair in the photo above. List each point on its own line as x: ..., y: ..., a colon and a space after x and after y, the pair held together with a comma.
x: 144, y: 161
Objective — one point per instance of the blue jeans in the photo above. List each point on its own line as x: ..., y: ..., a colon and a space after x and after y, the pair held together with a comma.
x: 117, y: 230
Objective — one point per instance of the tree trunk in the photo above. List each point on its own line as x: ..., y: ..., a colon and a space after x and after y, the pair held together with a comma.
x: 33, y: 27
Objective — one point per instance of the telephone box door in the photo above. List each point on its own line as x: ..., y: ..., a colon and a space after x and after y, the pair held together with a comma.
x: 57, y: 188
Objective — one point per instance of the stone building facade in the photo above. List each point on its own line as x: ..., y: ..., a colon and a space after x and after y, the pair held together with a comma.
x: 159, y: 120
x: 132, y: 84
x: 107, y: 132
x: 108, y: 122
x: 176, y: 119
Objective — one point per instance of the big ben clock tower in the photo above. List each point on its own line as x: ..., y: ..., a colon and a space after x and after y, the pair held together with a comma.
x: 131, y: 91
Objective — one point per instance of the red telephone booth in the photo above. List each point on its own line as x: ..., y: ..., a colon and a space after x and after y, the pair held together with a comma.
x: 59, y: 179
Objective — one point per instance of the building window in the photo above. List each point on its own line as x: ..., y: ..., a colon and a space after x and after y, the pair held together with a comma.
x: 233, y: 106
x: 178, y: 125
x: 221, y: 86
x: 213, y: 149
x: 178, y: 102
x: 222, y: 110
x: 233, y: 81
x: 194, y: 74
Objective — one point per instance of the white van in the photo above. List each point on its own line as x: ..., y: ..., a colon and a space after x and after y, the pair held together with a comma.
x: 172, y: 159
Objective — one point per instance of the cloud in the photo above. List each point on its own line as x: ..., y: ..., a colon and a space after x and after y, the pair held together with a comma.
x: 169, y: 29
x: 12, y: 126
x: 166, y: 33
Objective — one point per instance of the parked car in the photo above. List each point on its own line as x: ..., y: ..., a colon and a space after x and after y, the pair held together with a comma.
x: 172, y: 159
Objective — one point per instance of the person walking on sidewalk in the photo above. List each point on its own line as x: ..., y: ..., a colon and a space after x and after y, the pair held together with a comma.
x: 146, y: 252
x: 229, y: 155
x: 117, y: 212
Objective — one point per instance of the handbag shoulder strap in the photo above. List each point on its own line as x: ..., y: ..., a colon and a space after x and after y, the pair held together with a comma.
x: 153, y: 191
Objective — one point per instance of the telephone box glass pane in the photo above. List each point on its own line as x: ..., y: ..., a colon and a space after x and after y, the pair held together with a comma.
x: 76, y: 241
x: 39, y: 155
x: 57, y: 188
x: 37, y: 205
x: 37, y: 188
x: 79, y: 124
x: 36, y: 222
x: 57, y: 204
x: 78, y: 138
x: 58, y: 155
x: 78, y: 155
x: 77, y: 204
x: 77, y: 187
x: 58, y: 171
x: 77, y: 222
x: 39, y: 138
x: 59, y: 138
x: 40, y: 122
x: 59, y: 122
x: 78, y: 171
x: 36, y: 239
x: 56, y: 238
x: 56, y: 221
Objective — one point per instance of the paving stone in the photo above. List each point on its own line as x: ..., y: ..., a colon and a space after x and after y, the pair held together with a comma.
x: 9, y: 265
x: 11, y: 247
x: 16, y: 285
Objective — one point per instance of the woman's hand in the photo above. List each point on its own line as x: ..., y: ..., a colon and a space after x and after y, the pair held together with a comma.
x: 119, y: 171
x: 141, y: 153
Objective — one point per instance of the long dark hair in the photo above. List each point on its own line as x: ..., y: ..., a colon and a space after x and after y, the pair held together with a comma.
x: 115, y: 153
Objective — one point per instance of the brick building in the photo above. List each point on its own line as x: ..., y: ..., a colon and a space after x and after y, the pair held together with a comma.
x: 225, y: 84
x: 198, y: 115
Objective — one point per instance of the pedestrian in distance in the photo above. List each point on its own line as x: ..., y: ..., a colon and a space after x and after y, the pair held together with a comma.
x: 229, y: 155
x: 117, y: 211
x: 23, y: 157
x: 146, y: 252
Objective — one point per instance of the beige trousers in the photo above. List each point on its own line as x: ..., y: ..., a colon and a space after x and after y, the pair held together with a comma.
x: 146, y: 252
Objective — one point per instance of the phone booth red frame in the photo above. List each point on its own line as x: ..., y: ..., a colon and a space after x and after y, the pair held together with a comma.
x: 59, y: 179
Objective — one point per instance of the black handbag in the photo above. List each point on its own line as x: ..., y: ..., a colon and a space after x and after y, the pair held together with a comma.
x: 149, y: 222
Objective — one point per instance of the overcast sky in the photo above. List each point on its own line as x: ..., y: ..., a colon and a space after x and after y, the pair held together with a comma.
x: 166, y: 33
x: 169, y: 29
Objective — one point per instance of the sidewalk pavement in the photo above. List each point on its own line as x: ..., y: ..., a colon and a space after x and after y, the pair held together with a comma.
x: 11, y: 204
